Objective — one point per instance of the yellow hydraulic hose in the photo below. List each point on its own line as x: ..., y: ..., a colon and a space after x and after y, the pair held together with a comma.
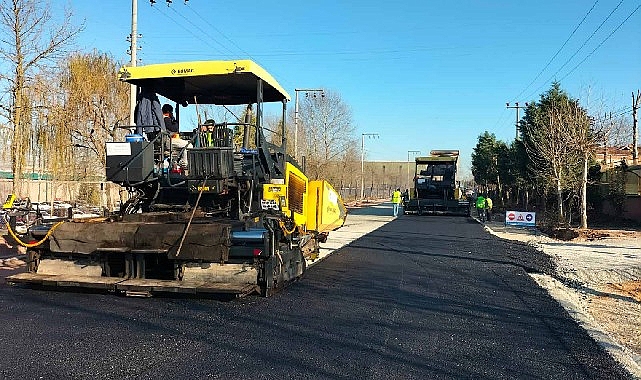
x: 31, y: 245
x: 282, y: 225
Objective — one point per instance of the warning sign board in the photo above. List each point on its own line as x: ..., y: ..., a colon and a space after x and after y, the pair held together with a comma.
x: 520, y: 218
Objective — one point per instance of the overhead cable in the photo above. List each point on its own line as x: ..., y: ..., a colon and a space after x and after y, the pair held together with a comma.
x: 558, y: 51
x: 579, y: 49
x: 602, y: 42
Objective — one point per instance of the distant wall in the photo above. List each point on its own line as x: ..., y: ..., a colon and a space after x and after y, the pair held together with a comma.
x: 47, y: 191
x: 631, y: 208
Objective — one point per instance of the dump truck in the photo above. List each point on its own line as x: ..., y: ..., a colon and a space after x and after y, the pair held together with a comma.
x: 436, y: 187
x: 241, y: 217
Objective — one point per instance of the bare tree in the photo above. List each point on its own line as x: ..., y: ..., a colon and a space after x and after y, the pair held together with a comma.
x: 547, y: 139
x: 327, y: 130
x: 343, y: 172
x: 31, y: 39
x: 585, y: 141
x: 613, y: 131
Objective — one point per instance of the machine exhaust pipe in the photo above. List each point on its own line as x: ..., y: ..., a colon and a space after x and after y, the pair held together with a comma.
x: 248, y: 119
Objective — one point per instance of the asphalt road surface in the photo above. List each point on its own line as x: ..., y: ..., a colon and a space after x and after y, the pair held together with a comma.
x: 420, y: 298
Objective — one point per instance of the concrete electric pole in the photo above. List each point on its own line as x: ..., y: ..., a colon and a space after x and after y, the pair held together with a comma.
x: 409, y: 179
x: 517, y: 107
x: 307, y: 92
x: 133, y: 48
x: 371, y: 135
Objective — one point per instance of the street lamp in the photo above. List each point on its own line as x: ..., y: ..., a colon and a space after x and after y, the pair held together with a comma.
x: 409, y: 152
x: 307, y: 92
x: 370, y: 135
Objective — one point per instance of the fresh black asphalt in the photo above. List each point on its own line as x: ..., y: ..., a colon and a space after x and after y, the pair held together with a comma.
x: 423, y: 297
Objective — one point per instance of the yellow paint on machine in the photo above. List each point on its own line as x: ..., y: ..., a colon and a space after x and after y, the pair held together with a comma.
x: 312, y: 204
x: 297, y: 194
x: 325, y: 209
x: 9, y: 202
x: 290, y: 196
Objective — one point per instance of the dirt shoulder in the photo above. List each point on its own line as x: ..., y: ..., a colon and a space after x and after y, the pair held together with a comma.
x: 597, y: 280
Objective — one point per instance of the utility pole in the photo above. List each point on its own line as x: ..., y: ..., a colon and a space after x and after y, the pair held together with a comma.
x: 605, y: 138
x: 517, y: 107
x: 307, y: 92
x: 133, y: 48
x: 371, y: 135
x: 636, y: 99
x: 409, y: 179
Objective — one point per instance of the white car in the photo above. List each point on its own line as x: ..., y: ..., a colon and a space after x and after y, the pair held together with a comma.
x: 21, y: 228
x: 59, y: 204
x: 84, y: 215
x: 43, y: 206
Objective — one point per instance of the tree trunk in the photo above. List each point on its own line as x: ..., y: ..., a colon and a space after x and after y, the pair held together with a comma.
x: 499, y: 190
x: 584, y: 196
x: 18, y: 147
x: 559, y: 199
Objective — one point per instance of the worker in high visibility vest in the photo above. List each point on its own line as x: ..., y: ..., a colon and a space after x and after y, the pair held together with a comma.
x: 488, y: 208
x: 480, y: 207
x: 396, y: 201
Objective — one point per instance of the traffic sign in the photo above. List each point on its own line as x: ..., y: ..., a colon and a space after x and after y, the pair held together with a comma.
x: 520, y: 218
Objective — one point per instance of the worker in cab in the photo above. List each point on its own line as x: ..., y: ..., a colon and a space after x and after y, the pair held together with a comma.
x: 177, y: 144
x: 396, y: 201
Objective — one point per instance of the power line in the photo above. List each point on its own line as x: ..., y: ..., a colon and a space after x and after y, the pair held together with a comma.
x: 558, y: 51
x: 230, y: 54
x: 186, y: 29
x: 219, y: 32
x: 501, y: 120
x: 589, y: 38
x: 602, y: 42
x: 201, y: 30
x: 579, y: 49
x: 620, y: 112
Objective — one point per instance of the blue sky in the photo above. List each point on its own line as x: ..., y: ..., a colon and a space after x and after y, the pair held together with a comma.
x: 422, y: 74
